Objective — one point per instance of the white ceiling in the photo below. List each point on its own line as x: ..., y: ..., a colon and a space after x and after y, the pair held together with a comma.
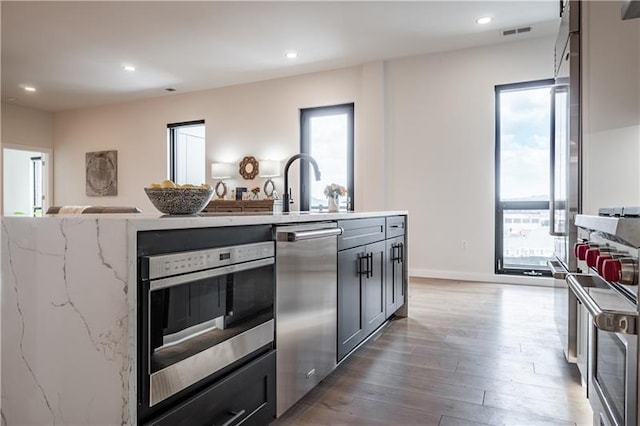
x: 72, y: 52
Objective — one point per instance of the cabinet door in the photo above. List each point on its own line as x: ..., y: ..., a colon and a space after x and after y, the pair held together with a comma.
x: 394, y: 275
x: 351, y: 330
x: 400, y: 277
x: 374, y: 297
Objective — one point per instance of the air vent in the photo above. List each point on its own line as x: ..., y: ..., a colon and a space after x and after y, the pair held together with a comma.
x: 516, y: 31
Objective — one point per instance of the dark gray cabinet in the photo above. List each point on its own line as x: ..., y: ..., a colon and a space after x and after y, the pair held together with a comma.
x: 395, y: 275
x: 396, y: 278
x: 361, y: 281
x: 351, y: 328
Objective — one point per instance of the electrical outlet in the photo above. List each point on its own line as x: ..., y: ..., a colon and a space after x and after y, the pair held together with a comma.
x: 464, y: 244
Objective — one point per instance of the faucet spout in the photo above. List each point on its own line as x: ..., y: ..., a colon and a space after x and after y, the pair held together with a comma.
x: 286, y: 199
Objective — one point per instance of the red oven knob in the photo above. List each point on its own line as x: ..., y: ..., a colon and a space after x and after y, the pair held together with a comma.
x: 577, y: 247
x: 582, y: 251
x: 591, y: 256
x: 611, y: 270
x: 600, y: 261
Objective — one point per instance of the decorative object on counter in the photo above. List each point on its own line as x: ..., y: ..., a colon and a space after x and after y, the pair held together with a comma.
x: 240, y: 193
x: 170, y: 198
x: 249, y: 168
x: 255, y: 191
x: 247, y: 206
x: 101, y: 173
x: 220, y: 171
x: 270, y: 169
x: 333, y: 193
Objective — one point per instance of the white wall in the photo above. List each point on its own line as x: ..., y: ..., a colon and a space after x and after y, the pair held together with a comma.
x: 611, y: 107
x: 441, y: 149
x: 258, y: 119
x: 26, y: 127
x: 424, y: 141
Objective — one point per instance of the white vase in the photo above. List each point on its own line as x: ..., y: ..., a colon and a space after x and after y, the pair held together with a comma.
x: 332, y: 204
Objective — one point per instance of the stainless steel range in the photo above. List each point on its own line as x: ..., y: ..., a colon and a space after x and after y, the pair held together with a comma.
x: 609, y: 248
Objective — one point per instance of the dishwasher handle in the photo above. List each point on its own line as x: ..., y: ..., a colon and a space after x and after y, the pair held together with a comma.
x: 604, y: 319
x: 293, y: 236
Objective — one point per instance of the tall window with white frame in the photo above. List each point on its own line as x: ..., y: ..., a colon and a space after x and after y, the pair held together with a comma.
x: 187, y: 162
x: 326, y: 133
x: 523, y: 146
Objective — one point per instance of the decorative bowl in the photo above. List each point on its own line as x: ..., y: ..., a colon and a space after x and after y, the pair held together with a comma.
x: 179, y: 200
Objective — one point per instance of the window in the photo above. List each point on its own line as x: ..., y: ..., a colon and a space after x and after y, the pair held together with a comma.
x: 326, y: 133
x: 523, y: 142
x: 187, y: 162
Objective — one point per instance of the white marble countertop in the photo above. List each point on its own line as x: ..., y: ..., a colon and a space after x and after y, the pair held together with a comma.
x: 144, y: 222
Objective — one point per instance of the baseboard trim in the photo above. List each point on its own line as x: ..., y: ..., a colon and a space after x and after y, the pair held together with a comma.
x: 488, y: 278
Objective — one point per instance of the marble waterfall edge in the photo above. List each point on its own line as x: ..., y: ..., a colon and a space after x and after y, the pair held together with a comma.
x: 66, y: 357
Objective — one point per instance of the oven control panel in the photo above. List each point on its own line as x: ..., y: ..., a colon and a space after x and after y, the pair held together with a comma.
x: 161, y: 266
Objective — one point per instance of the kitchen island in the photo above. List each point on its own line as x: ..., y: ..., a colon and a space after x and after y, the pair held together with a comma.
x: 69, y: 309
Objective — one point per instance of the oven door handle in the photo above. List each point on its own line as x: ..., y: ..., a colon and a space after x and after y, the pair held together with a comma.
x: 293, y: 236
x: 604, y: 319
x: 210, y: 273
x: 557, y: 270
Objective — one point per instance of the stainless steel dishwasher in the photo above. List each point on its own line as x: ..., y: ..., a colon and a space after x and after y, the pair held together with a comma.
x: 306, y: 308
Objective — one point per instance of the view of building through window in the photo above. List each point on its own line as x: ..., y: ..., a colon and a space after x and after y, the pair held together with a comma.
x: 327, y: 135
x: 524, y: 169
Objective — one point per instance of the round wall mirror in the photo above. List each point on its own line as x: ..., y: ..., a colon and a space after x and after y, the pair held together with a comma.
x: 249, y: 168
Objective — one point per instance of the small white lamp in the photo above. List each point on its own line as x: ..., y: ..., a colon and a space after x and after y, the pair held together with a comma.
x: 269, y: 169
x: 220, y: 171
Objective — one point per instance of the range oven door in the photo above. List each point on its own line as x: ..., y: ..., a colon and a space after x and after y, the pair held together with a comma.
x: 613, y: 349
x: 195, y: 325
x: 614, y: 379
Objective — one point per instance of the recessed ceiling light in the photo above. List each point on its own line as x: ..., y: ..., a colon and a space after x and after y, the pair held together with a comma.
x: 129, y: 68
x: 29, y: 89
x: 483, y: 20
x: 291, y: 55
x: 11, y: 99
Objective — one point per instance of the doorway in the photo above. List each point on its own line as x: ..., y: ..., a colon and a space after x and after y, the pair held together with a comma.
x: 25, y: 182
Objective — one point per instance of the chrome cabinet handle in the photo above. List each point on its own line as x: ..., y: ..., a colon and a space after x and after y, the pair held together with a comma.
x: 293, y: 236
x: 235, y: 417
x: 604, y: 319
x: 370, y: 265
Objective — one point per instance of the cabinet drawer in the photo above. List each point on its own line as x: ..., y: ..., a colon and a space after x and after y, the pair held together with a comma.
x: 257, y: 209
x: 395, y: 226
x: 358, y: 232
x: 247, y: 396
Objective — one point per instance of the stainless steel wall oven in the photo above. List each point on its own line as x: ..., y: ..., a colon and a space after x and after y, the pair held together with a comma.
x: 205, y: 317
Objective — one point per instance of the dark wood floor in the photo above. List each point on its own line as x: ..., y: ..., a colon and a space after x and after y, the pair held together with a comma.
x: 468, y: 354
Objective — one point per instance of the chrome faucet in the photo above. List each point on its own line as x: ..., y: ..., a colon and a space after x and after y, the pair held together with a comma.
x: 286, y: 199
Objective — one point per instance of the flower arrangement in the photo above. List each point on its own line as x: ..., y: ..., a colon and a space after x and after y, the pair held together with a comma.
x: 255, y: 192
x: 334, y: 190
